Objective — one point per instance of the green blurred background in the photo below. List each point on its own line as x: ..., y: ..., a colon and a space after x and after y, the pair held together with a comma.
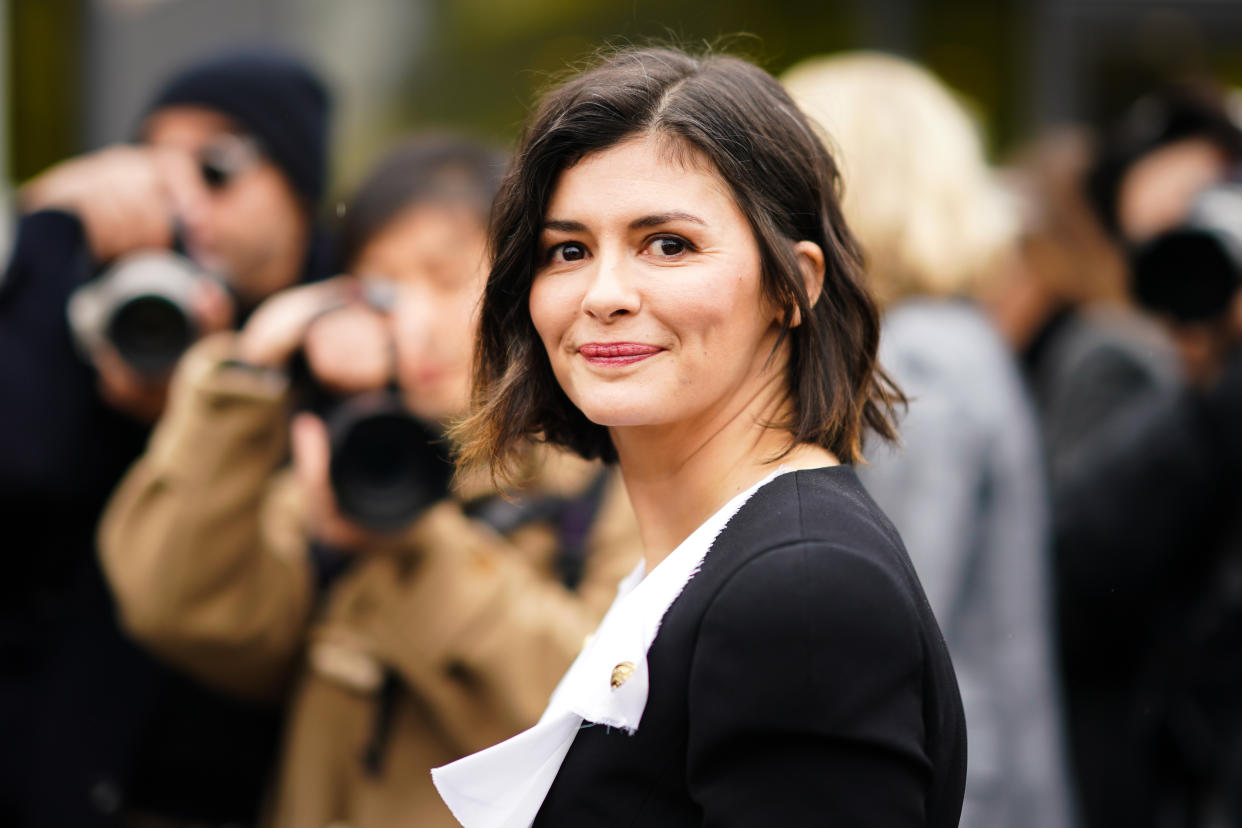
x: 77, y: 71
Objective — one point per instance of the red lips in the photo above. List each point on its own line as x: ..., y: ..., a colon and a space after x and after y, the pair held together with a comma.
x: 616, y: 353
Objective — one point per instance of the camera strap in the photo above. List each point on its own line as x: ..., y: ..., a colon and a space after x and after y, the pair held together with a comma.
x: 574, y: 526
x: 572, y: 517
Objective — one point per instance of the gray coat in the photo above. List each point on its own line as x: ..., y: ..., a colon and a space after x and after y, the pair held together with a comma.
x: 966, y: 489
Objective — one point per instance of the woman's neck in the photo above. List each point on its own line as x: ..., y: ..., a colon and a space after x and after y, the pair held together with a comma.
x: 679, y: 475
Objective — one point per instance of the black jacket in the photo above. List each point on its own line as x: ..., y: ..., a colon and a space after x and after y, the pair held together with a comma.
x: 799, y: 679
x: 89, y: 723
x: 1149, y: 544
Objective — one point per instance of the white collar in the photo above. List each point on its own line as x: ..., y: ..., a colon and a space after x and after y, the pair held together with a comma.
x: 505, y: 785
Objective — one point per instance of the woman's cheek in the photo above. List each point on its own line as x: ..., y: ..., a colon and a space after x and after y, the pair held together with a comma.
x: 547, y: 310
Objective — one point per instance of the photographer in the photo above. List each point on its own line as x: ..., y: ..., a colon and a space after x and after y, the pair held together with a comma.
x: 1148, y: 539
x: 400, y: 648
x: 231, y: 166
x: 228, y: 168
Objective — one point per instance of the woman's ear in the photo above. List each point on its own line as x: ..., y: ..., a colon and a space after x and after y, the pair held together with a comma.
x: 811, y: 263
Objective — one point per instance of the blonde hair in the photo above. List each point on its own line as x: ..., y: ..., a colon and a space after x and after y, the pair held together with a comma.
x: 919, y: 195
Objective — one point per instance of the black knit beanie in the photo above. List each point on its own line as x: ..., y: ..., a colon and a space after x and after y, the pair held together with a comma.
x: 276, y: 98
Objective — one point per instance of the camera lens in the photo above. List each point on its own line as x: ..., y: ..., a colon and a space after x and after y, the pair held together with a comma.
x: 1186, y: 273
x: 143, y: 306
x: 1192, y: 271
x: 150, y: 333
x: 385, y: 468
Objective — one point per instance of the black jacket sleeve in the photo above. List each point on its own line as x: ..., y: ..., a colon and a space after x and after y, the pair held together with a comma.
x: 806, y: 696
x: 47, y: 390
x: 61, y: 448
x: 1160, y: 483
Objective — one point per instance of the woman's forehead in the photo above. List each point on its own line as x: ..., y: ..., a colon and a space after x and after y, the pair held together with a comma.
x: 669, y: 148
x: 641, y: 174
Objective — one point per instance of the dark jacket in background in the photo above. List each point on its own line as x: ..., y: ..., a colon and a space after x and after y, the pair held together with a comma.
x: 62, y: 451
x: 1145, y: 499
x: 88, y: 722
x: 1149, y: 536
x: 1089, y: 366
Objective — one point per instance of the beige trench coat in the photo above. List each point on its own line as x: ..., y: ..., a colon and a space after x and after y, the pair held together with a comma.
x: 205, y: 546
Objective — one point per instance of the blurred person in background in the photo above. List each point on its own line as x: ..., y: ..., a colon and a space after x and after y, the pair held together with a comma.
x: 1064, y: 304
x: 228, y: 166
x: 1091, y: 359
x: 1146, y: 497
x: 402, y: 644
x: 965, y: 488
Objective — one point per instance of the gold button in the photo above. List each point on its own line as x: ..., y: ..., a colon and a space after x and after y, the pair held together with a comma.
x: 621, y: 673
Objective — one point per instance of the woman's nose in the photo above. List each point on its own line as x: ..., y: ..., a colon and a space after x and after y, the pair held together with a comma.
x: 611, y: 292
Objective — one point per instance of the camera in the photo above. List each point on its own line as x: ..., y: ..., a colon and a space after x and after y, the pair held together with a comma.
x: 143, y: 306
x: 1191, y: 272
x: 386, y: 465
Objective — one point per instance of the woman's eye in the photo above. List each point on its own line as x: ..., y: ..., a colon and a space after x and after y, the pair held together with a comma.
x: 668, y: 246
x: 567, y: 252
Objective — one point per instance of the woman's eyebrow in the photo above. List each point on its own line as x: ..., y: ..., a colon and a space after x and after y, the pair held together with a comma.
x: 664, y: 218
x: 654, y: 220
x: 566, y: 226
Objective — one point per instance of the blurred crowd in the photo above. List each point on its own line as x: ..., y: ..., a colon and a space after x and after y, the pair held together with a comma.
x: 245, y: 587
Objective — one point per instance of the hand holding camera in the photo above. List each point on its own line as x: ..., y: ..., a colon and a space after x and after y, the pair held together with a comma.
x: 366, y: 464
x: 125, y: 196
x: 277, y: 328
x: 134, y: 319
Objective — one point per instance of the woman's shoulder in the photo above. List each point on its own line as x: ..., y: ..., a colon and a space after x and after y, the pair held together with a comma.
x: 834, y: 600
x: 827, y: 509
x: 817, y: 534
x: 810, y: 569
x: 807, y: 612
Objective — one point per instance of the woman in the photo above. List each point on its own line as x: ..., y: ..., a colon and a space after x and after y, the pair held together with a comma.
x: 966, y: 489
x: 674, y: 288
x: 395, y: 650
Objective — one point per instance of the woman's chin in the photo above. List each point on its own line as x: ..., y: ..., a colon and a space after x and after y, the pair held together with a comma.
x: 618, y: 415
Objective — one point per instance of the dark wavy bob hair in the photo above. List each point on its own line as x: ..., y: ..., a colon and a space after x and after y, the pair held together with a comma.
x: 737, y: 118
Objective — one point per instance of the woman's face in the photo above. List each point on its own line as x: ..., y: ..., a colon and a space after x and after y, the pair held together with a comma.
x: 647, y: 296
x: 436, y: 257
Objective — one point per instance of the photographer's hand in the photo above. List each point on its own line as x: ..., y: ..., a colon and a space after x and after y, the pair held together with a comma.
x: 276, y: 329
x: 311, y: 453
x: 125, y: 390
x: 125, y: 196
x: 349, y: 350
